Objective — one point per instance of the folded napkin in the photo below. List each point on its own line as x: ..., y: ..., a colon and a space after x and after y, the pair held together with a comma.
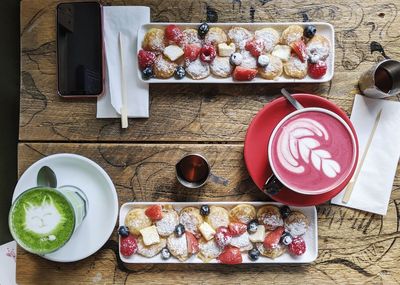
x: 374, y: 184
x: 7, y: 263
x: 127, y: 20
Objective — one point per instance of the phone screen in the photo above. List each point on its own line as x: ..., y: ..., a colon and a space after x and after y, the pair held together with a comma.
x: 79, y: 49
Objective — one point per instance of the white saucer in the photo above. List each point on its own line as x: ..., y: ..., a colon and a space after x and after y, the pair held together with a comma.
x: 95, y: 230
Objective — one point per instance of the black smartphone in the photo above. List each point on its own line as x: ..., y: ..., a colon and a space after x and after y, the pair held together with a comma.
x: 80, y: 49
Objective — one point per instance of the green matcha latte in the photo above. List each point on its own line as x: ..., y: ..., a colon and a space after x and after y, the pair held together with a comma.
x: 42, y: 220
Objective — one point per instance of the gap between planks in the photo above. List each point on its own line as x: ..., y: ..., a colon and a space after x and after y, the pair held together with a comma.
x: 133, y: 142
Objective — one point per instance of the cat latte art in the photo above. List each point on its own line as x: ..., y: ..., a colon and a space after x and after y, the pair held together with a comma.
x: 42, y: 220
x: 312, y: 151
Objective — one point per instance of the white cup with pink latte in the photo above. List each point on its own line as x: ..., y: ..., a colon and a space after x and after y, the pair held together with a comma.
x: 311, y: 151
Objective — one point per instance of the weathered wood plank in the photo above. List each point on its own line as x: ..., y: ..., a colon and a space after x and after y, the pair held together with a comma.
x: 199, y: 112
x: 354, y: 246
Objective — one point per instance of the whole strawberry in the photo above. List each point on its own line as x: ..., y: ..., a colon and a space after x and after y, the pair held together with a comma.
x: 298, y: 246
x: 192, y: 51
x: 173, y: 34
x: 146, y: 58
x: 223, y: 236
x: 317, y: 70
x: 128, y: 245
x: 207, y: 53
x: 154, y: 212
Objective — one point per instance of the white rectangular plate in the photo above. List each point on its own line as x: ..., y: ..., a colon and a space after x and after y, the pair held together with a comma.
x: 323, y: 29
x: 311, y: 236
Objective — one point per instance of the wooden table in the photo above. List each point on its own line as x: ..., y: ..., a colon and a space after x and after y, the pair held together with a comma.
x: 354, y: 246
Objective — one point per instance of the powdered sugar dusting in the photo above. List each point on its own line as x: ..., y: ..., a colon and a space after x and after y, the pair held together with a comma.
x: 221, y: 66
x: 218, y: 217
x: 167, y: 224
x: 177, y: 245
x: 190, y: 36
x: 275, y: 64
x: 293, y: 37
x: 190, y: 222
x: 152, y: 250
x: 155, y: 40
x: 297, y: 228
x: 163, y: 65
x: 243, y: 241
x: 210, y: 249
x: 239, y: 36
x: 269, y: 37
x: 296, y: 63
x: 197, y: 69
x: 273, y: 221
x: 317, y: 51
x: 248, y: 60
x: 215, y: 36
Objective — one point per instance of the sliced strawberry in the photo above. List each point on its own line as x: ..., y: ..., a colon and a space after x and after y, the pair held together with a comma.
x: 244, y: 74
x: 255, y: 47
x: 298, y: 246
x: 154, y: 212
x: 271, y: 240
x: 192, y: 51
x: 223, y: 236
x: 146, y: 58
x: 192, y: 243
x: 128, y: 245
x: 207, y: 53
x: 230, y: 255
x: 237, y: 229
x: 299, y: 48
x: 173, y: 34
x: 317, y: 70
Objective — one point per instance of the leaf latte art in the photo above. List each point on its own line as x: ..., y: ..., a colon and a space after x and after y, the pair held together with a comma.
x: 299, y: 143
x: 312, y: 150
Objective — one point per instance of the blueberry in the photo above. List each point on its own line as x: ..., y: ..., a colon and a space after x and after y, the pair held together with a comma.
x: 147, y: 73
x: 203, y: 30
x: 235, y: 59
x: 286, y: 238
x: 204, y: 210
x: 123, y: 231
x: 254, y: 254
x: 179, y: 230
x: 285, y: 211
x: 309, y: 31
x: 180, y: 72
x: 263, y: 60
x: 252, y: 226
x: 165, y: 254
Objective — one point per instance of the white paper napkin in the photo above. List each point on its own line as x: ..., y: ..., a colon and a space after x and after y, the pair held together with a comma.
x: 127, y: 20
x: 7, y: 263
x: 374, y: 184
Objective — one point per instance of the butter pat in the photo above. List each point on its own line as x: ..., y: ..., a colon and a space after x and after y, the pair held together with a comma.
x: 281, y: 51
x: 207, y: 231
x: 259, y: 235
x: 225, y: 50
x: 173, y: 52
x: 150, y: 235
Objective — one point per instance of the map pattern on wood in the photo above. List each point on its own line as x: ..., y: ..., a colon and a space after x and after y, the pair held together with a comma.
x: 354, y: 246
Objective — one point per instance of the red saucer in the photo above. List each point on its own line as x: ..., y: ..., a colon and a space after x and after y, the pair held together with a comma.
x: 256, y: 147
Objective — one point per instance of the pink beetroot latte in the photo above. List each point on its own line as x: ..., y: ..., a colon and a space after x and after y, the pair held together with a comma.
x: 312, y: 151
